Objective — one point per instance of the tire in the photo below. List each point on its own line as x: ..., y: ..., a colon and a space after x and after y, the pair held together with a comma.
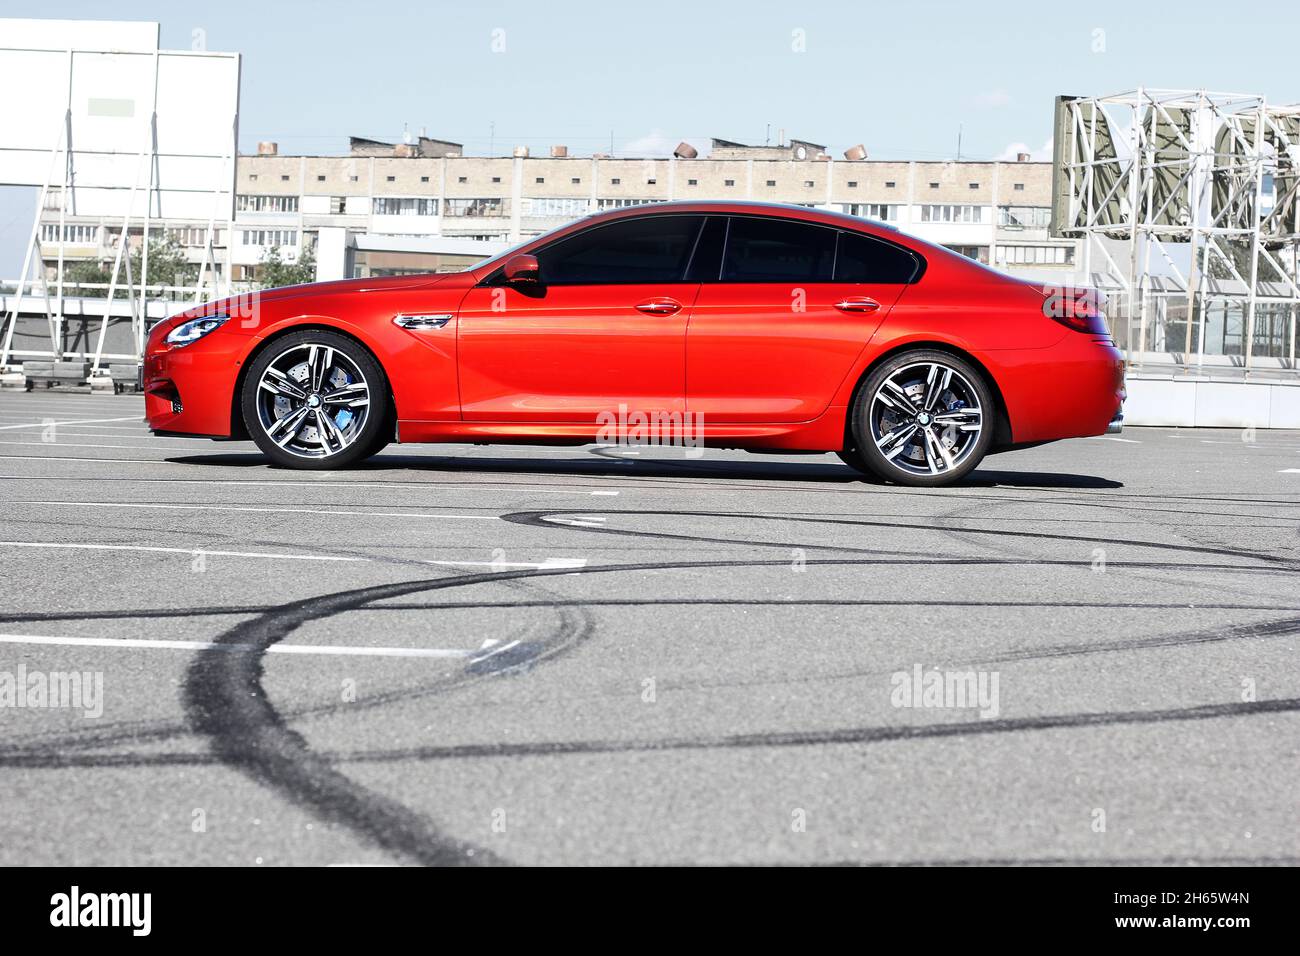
x: 922, y: 418
x: 316, y: 400
x: 853, y: 458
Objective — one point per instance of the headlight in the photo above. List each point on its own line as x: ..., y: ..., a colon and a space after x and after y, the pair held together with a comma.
x: 195, y: 329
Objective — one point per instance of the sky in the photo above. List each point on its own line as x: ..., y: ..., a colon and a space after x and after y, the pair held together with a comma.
x: 903, y: 78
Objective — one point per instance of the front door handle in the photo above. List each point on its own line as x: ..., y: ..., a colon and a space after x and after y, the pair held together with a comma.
x: 663, y: 306
x: 857, y: 303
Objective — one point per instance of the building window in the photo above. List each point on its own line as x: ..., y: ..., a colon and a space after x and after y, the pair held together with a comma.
x: 651, y: 182
x: 603, y: 204
x: 615, y: 182
x: 884, y: 212
x: 462, y: 179
x: 539, y: 180
x: 320, y: 179
x: 771, y: 182
x: 247, y: 203
x: 475, y: 207
x: 979, y: 253
x: 974, y: 185
x: 405, y: 206
x: 252, y: 177
x: 188, y: 235
x: 728, y: 182
x: 934, y: 185
x: 284, y: 179
x: 424, y: 179
x: 269, y: 237
x: 808, y: 183
x: 391, y: 179
x: 952, y: 213
x: 1035, y: 255
x: 352, y: 179
x: 1019, y: 187
x: 496, y: 179
x: 72, y: 234
x: 556, y: 208
x: 890, y: 184
x: 1024, y: 217
x: 576, y: 181
x: 692, y: 182
x: 853, y: 184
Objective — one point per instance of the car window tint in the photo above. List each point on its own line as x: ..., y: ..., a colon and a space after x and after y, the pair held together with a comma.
x: 864, y: 259
x: 776, y: 250
x: 706, y: 263
x: 653, y: 249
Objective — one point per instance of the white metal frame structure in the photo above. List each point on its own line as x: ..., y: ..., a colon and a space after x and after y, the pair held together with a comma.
x: 1187, y: 203
x: 136, y: 173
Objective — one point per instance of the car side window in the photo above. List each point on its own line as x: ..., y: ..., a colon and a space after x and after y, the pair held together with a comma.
x: 644, y: 250
x: 706, y: 262
x: 864, y: 259
x: 778, y: 250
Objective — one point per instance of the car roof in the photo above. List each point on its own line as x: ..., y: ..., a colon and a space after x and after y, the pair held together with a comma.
x: 774, y: 210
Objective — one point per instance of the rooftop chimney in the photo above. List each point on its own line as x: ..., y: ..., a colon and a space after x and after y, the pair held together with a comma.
x: 268, y: 149
x: 521, y: 152
x: 559, y: 152
x: 856, y: 153
x: 685, y: 150
x: 1022, y: 157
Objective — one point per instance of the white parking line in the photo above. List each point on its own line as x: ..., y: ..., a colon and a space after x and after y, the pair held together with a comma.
x: 1289, y: 471
x: 297, y: 511
x: 79, y: 421
x: 110, y: 461
x: 189, y: 551
x: 322, y: 649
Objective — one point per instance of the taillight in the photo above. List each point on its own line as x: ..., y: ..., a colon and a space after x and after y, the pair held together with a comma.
x: 1077, y: 309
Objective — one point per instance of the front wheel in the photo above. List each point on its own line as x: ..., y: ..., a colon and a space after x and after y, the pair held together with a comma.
x: 923, y: 418
x: 315, y: 400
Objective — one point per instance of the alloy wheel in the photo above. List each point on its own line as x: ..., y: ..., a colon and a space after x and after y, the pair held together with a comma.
x: 313, y: 401
x: 926, y: 419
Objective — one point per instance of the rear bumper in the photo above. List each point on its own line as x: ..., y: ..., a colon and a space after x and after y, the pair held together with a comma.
x: 1074, y: 389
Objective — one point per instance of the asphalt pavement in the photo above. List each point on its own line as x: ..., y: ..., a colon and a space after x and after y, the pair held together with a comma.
x: 600, y: 655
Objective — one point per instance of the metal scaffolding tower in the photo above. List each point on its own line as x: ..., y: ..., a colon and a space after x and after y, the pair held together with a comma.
x: 1186, y: 202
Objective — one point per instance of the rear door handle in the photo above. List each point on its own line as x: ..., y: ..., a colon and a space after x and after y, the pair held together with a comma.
x: 663, y: 306
x: 857, y: 303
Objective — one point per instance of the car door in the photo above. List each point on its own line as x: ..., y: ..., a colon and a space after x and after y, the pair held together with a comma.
x: 605, y: 326
x: 793, y: 303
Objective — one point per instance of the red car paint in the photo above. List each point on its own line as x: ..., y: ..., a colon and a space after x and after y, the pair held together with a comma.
x: 513, y: 367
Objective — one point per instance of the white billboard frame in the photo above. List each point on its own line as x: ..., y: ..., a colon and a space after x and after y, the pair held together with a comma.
x: 138, y: 170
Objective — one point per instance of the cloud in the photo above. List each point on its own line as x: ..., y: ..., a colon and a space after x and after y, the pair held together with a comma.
x: 993, y: 99
x: 654, y: 143
x: 1042, y: 154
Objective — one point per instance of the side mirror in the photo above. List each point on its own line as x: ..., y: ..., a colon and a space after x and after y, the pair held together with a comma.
x: 522, y: 270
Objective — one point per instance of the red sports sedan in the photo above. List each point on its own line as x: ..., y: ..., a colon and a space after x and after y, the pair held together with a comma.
x: 740, y: 325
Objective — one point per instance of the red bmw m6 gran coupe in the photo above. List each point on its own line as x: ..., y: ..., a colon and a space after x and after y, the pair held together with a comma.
x: 740, y: 325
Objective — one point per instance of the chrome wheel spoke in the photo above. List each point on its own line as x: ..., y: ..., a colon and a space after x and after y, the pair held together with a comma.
x: 935, y: 443
x: 328, y: 428
x: 966, y: 419
x: 898, y: 392
x: 277, y: 383
x: 287, y: 427
x: 353, y: 395
x: 936, y: 384
x: 896, y: 440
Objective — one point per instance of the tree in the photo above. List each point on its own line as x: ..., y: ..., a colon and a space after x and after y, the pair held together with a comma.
x: 274, y: 272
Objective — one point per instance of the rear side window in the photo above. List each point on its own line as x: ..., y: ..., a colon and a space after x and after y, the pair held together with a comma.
x: 864, y: 259
x: 776, y: 250
x: 651, y: 249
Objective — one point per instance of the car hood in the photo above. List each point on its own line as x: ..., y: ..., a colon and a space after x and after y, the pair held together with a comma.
x: 245, y: 300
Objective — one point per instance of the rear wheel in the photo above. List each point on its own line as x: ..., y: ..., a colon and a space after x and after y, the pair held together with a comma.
x: 923, y: 418
x: 316, y: 400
